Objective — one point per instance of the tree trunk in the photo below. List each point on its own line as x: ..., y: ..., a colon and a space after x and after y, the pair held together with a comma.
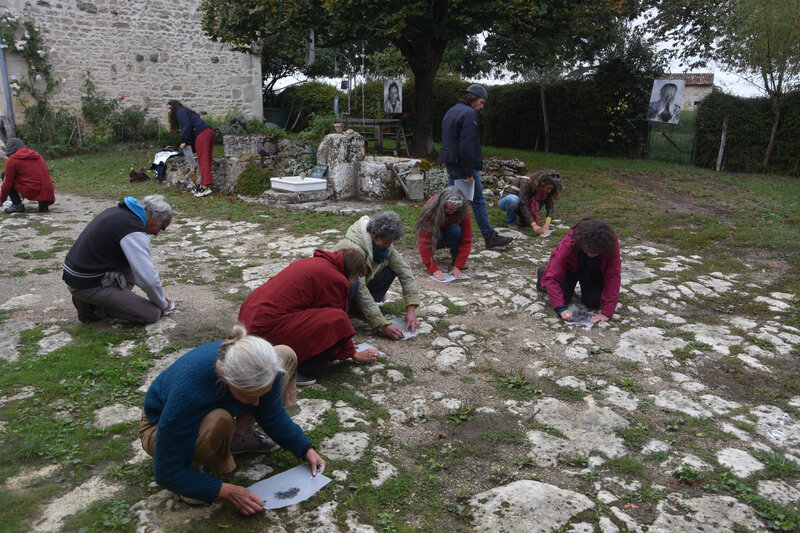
x: 776, y: 110
x: 424, y: 59
x: 544, y: 118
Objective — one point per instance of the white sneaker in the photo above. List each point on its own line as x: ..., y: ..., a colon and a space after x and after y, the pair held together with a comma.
x: 202, y: 191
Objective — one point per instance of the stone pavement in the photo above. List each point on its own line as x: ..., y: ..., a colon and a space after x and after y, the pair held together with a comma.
x: 669, y: 358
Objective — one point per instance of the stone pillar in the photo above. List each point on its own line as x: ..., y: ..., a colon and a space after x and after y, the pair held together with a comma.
x: 343, y: 153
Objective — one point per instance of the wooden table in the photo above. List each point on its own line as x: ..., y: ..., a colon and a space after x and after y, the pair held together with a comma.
x: 380, y: 128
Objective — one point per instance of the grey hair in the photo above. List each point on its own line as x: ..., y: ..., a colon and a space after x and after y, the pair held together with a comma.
x: 249, y: 363
x: 156, y: 208
x: 387, y: 225
x: 432, y: 216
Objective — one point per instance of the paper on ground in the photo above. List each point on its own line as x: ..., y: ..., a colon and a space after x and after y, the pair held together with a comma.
x: 547, y: 234
x: 400, y: 324
x: 467, y: 188
x: 448, y: 277
x: 580, y: 317
x: 287, y: 488
x: 366, y: 346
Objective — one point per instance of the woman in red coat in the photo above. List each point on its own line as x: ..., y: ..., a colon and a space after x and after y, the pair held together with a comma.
x: 305, y: 307
x: 26, y: 176
x: 588, y: 255
x: 445, y: 222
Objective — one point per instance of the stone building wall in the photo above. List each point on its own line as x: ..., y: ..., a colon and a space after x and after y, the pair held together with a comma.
x: 148, y: 51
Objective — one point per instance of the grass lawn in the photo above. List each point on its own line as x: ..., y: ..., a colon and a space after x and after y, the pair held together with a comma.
x: 736, y: 223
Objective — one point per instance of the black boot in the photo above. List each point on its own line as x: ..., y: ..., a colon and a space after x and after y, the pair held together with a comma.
x: 495, y: 239
x: 539, y: 274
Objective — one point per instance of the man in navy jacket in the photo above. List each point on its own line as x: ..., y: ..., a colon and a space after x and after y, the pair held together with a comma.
x: 461, y: 152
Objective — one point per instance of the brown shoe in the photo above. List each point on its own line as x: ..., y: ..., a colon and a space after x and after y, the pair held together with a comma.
x: 513, y: 226
x: 87, y: 313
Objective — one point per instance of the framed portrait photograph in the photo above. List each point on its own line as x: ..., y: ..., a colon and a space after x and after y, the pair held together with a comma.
x: 393, y: 96
x: 665, y: 101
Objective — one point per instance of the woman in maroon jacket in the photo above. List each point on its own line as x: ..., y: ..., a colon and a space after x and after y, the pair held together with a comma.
x: 26, y: 176
x: 588, y: 255
x: 304, y: 306
x: 445, y: 221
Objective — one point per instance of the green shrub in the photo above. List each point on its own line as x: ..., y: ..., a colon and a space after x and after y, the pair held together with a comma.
x: 253, y: 180
x: 308, y: 100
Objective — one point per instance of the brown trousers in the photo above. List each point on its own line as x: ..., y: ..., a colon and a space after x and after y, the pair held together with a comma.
x: 212, y: 448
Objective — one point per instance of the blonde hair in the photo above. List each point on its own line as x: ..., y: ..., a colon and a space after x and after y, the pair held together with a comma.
x: 249, y: 363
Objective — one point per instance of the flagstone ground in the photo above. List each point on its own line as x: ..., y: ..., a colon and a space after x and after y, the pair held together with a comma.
x: 679, y: 415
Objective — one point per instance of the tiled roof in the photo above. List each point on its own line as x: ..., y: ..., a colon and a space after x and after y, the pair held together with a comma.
x: 693, y: 79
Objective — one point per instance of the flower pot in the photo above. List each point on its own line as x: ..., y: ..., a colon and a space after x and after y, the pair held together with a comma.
x: 338, y: 127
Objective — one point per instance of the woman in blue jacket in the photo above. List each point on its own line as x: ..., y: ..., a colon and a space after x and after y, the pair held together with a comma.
x: 197, y: 134
x: 203, y: 408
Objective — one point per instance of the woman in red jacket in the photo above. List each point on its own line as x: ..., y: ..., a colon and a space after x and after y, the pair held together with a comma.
x: 445, y: 221
x: 588, y: 255
x: 304, y: 306
x: 26, y: 176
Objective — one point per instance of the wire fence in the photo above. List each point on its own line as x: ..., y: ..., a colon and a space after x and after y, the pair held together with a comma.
x: 673, y: 142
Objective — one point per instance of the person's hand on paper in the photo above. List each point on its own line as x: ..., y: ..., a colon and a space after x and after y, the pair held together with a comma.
x: 169, y: 309
x: 456, y: 272
x: 566, y: 314
x: 245, y: 501
x: 183, y: 145
x: 599, y: 317
x: 370, y: 354
x: 392, y: 332
x: 469, y: 180
x: 315, y: 462
x: 546, y: 228
x: 412, y: 324
x: 537, y: 228
x: 438, y: 275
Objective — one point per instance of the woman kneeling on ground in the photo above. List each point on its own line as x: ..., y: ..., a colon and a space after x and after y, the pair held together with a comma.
x: 445, y: 222
x: 588, y: 255
x: 305, y: 306
x: 202, y: 409
x: 525, y: 196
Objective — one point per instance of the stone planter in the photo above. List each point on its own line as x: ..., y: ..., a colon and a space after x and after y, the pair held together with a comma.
x: 251, y: 143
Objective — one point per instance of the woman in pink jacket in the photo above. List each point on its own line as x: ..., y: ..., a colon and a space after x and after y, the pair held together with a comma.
x: 588, y: 255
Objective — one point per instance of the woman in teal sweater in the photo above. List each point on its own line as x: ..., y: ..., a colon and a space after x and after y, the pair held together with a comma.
x: 195, y: 407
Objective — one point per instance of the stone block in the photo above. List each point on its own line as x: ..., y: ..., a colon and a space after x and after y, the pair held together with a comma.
x: 226, y: 171
x: 378, y: 181
x: 251, y: 143
x: 343, y: 153
x: 271, y: 197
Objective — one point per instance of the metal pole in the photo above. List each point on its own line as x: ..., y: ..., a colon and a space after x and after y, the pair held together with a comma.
x: 6, y: 88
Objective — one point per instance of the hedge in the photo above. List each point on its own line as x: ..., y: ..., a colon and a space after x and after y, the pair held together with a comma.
x: 749, y: 127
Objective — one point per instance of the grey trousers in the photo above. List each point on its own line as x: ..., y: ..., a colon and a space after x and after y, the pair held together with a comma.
x: 119, y: 303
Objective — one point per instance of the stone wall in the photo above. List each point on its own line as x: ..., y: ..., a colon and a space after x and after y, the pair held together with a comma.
x: 147, y: 51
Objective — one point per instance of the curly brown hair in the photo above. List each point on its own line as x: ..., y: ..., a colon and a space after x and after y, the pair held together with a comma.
x: 594, y: 236
x: 542, y: 178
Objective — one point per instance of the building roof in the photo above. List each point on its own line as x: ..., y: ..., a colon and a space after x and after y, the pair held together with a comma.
x: 693, y: 79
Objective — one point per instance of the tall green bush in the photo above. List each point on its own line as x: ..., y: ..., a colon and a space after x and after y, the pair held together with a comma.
x: 749, y: 126
x: 308, y: 99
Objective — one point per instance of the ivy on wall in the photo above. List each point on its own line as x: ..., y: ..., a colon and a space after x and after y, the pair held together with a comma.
x: 22, y: 37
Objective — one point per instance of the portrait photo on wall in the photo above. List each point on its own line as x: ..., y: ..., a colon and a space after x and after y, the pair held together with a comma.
x: 393, y: 96
x: 665, y: 101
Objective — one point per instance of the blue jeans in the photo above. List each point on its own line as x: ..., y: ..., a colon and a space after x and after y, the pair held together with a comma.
x: 450, y: 238
x: 509, y: 204
x: 378, y: 287
x: 478, y: 205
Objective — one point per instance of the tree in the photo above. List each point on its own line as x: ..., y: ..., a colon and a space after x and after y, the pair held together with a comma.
x: 547, y: 52
x: 420, y: 29
x: 757, y: 38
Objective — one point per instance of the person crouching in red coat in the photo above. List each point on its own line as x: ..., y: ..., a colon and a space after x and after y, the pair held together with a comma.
x: 305, y: 307
x: 588, y: 255
x: 25, y: 176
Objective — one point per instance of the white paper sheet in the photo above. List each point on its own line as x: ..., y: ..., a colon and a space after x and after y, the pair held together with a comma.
x: 448, y: 277
x: 580, y: 317
x: 287, y: 488
x: 366, y: 346
x: 467, y: 188
x: 547, y: 234
x: 400, y: 324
